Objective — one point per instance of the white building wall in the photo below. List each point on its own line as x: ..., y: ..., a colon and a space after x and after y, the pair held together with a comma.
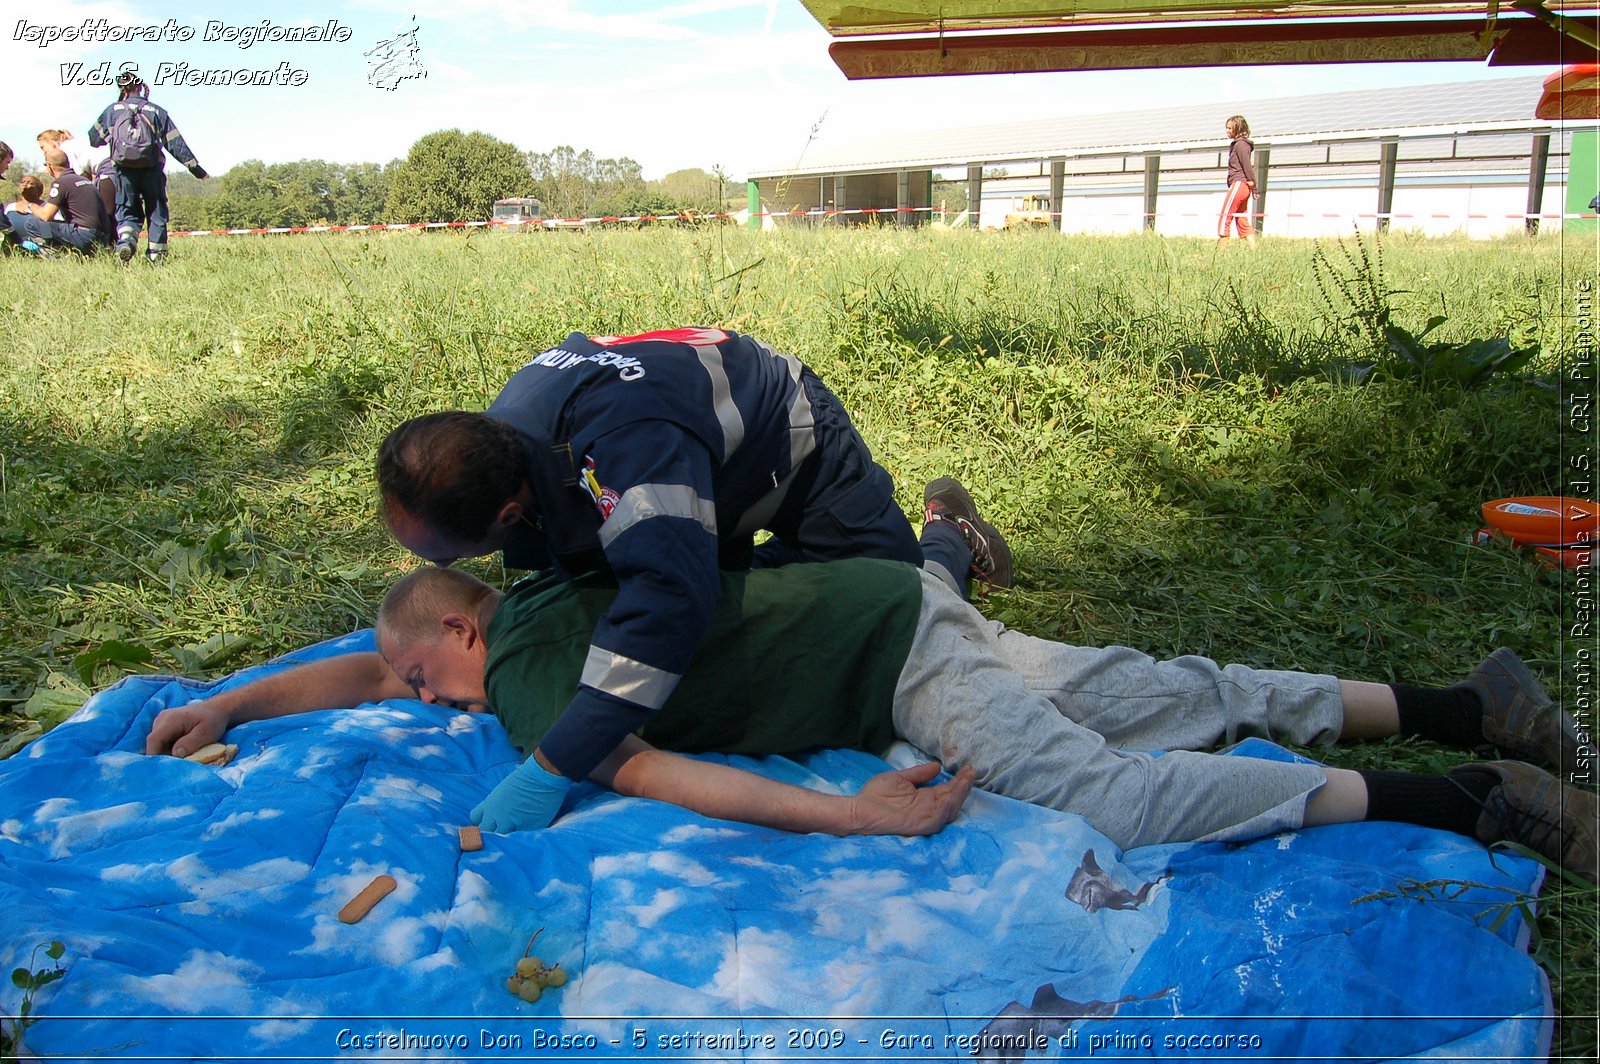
x: 1436, y: 211
x: 1429, y: 206
x: 992, y: 210
x: 1103, y: 214
x: 1312, y: 212
x: 1190, y: 212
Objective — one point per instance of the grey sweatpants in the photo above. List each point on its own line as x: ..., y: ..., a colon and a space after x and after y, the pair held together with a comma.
x: 1072, y: 728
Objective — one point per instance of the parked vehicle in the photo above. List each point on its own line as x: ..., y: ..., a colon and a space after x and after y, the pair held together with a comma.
x: 1035, y: 213
x: 518, y: 212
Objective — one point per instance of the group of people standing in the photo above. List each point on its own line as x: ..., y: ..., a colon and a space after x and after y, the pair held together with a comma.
x: 103, y: 193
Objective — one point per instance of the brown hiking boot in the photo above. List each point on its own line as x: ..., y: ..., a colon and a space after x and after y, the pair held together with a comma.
x: 1530, y: 807
x: 946, y: 500
x: 1521, y: 721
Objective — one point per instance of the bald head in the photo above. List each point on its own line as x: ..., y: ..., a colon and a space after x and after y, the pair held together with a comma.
x: 55, y: 159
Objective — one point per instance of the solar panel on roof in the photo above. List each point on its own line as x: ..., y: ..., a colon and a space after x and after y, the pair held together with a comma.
x: 1464, y: 104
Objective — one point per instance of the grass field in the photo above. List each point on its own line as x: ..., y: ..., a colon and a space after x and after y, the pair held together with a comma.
x: 1184, y: 445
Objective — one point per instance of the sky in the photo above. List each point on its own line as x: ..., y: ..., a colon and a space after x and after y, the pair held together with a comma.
x: 733, y: 85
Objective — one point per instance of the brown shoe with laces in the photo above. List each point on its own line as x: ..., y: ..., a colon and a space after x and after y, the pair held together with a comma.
x: 1532, y: 808
x: 946, y: 500
x: 1520, y: 719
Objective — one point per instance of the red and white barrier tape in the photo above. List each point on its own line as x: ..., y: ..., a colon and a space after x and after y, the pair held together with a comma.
x: 830, y: 212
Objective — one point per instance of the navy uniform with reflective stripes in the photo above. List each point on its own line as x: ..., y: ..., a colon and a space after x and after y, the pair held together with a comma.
x: 142, y: 191
x: 658, y: 457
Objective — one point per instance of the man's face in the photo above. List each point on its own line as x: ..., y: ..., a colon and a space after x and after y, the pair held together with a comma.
x: 448, y: 672
x: 423, y: 540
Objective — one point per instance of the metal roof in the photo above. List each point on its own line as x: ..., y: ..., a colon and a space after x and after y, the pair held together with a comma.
x: 1498, y: 105
x: 843, y: 18
x: 937, y: 38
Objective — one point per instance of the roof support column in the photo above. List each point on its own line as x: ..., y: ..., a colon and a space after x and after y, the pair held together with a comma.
x: 840, y: 201
x: 1058, y: 180
x: 902, y: 197
x: 1388, y: 158
x: 1262, y: 160
x: 1152, y: 181
x: 1538, y: 163
x: 974, y: 192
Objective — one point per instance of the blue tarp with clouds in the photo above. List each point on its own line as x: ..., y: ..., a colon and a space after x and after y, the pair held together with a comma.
x: 198, y: 907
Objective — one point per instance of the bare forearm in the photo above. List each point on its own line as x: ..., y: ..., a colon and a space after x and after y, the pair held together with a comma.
x: 333, y: 683
x: 725, y: 793
x: 892, y: 803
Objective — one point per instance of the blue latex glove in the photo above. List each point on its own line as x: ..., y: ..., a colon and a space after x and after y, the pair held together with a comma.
x: 526, y: 800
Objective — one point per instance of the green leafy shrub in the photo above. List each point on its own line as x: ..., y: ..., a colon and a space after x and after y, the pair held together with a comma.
x: 1366, y: 314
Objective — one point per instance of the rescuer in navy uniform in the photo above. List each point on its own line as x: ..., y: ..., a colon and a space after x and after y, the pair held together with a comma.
x: 139, y: 134
x: 656, y: 457
x: 71, y: 214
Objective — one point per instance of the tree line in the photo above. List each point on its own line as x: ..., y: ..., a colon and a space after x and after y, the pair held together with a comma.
x: 447, y: 176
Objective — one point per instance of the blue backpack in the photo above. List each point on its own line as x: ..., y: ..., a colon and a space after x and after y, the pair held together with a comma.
x: 133, y: 139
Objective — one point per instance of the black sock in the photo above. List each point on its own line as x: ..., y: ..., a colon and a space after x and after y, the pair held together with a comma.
x: 1452, y: 803
x: 1449, y: 715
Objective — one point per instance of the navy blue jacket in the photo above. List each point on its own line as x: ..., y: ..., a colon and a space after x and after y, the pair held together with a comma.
x: 646, y: 453
x: 167, y: 134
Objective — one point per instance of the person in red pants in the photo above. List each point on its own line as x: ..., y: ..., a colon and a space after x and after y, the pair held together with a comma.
x: 1241, y: 183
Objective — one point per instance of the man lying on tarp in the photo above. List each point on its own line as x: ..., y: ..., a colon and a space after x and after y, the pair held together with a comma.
x: 856, y: 653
